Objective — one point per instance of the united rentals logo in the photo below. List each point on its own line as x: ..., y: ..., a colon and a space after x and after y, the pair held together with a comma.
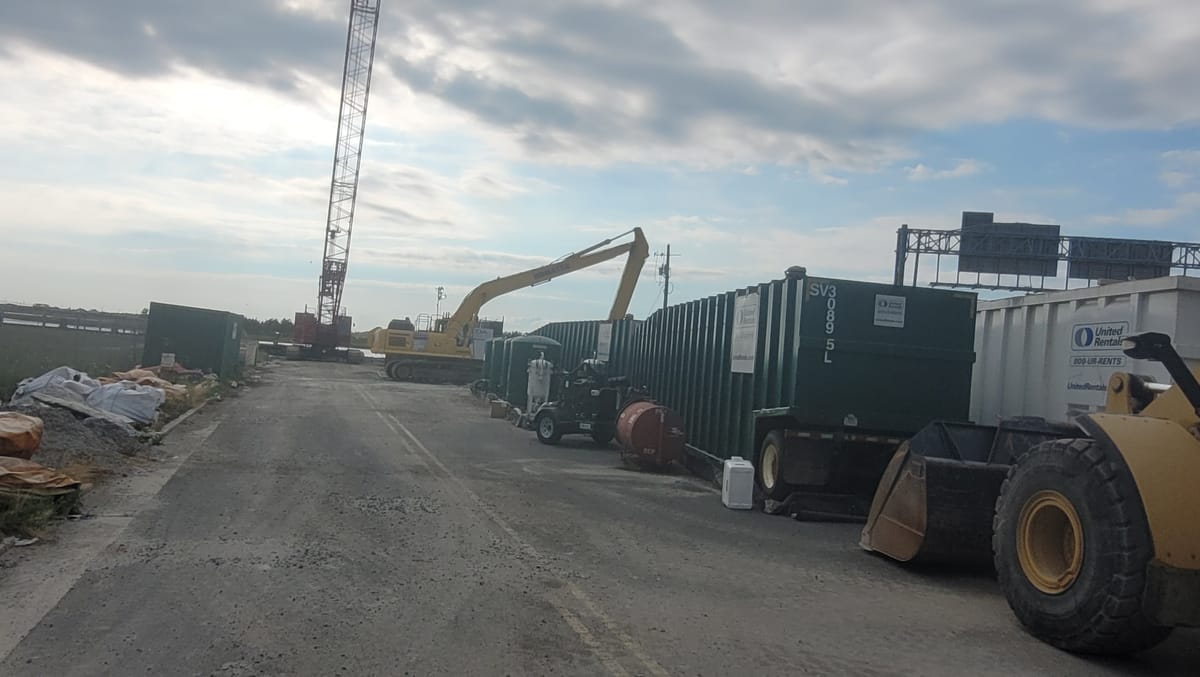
x: 1095, y: 354
x: 1099, y: 336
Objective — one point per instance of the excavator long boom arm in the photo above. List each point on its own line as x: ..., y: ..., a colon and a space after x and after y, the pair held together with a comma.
x: 638, y: 250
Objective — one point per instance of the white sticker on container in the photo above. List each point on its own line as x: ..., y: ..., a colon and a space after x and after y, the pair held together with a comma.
x: 744, y: 343
x: 604, y: 341
x: 889, y: 311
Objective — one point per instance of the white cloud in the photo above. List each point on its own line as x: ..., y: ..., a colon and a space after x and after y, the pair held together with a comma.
x: 844, y: 85
x: 1181, y: 165
x: 222, y: 152
x: 1184, y: 204
x: 922, y: 172
x: 1183, y: 157
x: 1174, y: 179
x: 827, y: 179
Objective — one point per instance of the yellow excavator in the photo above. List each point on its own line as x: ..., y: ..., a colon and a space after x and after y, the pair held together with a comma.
x: 1093, y: 529
x: 443, y: 355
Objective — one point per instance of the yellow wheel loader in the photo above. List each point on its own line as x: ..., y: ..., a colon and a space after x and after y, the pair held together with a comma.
x: 1094, y: 532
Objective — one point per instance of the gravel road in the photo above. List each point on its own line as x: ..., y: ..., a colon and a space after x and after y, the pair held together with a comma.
x: 331, y: 522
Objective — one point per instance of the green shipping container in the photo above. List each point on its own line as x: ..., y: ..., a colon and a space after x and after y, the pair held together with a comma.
x: 199, y: 338
x: 825, y: 355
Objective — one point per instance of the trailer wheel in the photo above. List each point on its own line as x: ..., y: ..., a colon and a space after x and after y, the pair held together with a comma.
x: 1071, y: 544
x: 547, y: 428
x: 770, y: 467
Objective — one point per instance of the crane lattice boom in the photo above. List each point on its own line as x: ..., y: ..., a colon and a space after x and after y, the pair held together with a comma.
x: 343, y: 189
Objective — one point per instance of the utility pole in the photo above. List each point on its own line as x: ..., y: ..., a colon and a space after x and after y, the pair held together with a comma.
x: 665, y: 271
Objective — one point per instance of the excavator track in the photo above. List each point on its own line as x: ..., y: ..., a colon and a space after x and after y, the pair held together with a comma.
x: 432, y: 369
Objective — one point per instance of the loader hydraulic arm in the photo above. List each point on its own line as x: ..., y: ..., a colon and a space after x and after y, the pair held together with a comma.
x: 465, y: 316
x: 1157, y: 347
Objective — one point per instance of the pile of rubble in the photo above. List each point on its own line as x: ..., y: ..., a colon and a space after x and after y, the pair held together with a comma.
x: 64, y: 428
x: 133, y: 400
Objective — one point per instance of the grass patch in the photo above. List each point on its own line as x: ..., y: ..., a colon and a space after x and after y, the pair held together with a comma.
x: 28, y: 515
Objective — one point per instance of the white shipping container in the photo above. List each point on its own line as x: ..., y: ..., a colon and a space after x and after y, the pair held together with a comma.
x: 1051, y: 354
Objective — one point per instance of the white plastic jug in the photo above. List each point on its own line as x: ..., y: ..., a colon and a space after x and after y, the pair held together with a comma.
x: 737, y: 484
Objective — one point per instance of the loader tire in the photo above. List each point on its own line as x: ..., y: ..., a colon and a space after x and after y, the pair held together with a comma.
x: 769, y: 470
x: 1071, y: 545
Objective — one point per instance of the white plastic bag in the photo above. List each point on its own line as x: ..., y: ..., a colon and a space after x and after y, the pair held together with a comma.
x: 79, y: 383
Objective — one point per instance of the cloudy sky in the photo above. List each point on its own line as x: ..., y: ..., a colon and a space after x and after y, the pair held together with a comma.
x: 179, y: 151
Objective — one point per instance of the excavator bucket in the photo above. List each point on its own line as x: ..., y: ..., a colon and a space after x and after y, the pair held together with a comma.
x: 935, y: 500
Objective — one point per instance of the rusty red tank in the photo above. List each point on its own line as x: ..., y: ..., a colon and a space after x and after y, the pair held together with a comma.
x: 650, y: 434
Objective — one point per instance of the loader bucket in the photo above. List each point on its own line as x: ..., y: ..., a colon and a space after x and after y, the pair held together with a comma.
x: 937, y: 496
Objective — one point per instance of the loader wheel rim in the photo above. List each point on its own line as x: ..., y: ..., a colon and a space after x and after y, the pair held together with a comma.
x: 770, y: 466
x: 1050, y: 542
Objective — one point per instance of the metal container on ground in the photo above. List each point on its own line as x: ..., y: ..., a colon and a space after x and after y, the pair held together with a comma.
x: 650, y: 434
x: 1051, y: 354
x: 198, y: 338
x: 520, y: 351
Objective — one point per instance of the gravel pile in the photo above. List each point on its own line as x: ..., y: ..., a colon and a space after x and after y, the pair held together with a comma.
x: 91, y: 442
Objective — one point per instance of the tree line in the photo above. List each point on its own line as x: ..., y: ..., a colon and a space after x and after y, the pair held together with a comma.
x: 267, y: 329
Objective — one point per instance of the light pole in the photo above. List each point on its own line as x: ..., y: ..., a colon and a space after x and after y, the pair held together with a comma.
x: 441, y: 294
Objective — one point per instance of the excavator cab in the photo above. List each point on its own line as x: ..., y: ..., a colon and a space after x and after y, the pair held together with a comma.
x: 1093, y: 529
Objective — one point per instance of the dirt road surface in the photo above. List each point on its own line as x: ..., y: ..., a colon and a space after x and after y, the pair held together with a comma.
x: 331, y: 522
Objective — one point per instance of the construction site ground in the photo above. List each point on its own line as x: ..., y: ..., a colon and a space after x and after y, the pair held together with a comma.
x: 330, y: 521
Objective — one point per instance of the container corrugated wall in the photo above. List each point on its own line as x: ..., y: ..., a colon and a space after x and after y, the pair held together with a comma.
x: 581, y: 341
x: 683, y: 357
x: 1051, y: 354
x: 860, y: 367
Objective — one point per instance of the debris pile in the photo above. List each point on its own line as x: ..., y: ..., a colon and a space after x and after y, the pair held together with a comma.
x: 64, y: 428
x: 132, y: 400
x: 31, y: 494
